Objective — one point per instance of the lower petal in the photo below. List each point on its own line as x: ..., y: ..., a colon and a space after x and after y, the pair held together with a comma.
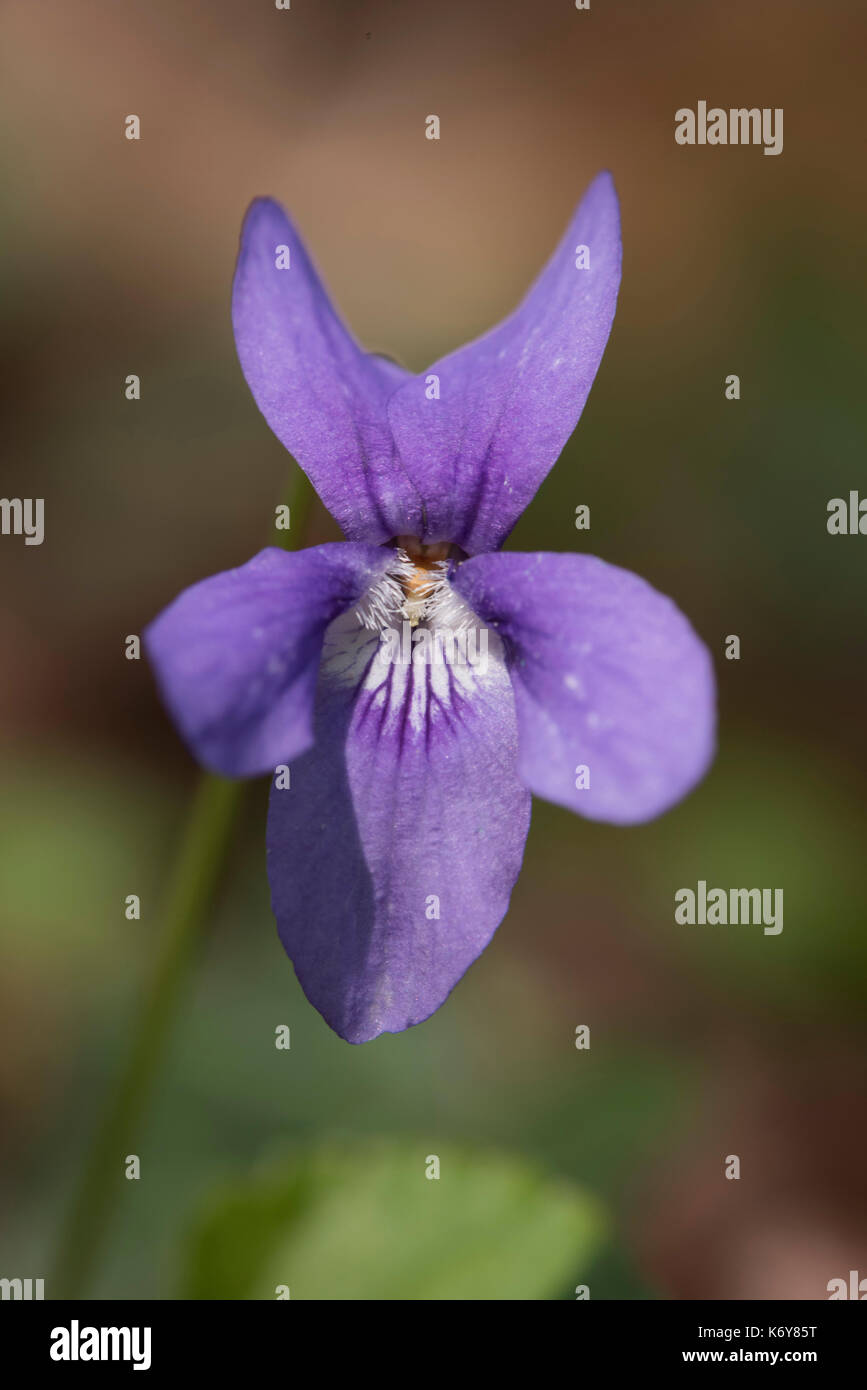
x: 613, y: 689
x: 393, y: 853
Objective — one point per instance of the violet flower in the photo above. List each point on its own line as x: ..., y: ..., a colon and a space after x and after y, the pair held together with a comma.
x: 393, y: 851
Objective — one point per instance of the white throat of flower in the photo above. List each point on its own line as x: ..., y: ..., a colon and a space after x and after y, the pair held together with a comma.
x: 415, y: 593
x: 412, y: 638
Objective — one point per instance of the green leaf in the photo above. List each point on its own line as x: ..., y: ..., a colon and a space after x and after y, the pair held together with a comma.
x: 367, y: 1223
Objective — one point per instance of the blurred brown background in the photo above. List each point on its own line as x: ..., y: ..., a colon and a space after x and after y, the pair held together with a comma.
x: 117, y: 259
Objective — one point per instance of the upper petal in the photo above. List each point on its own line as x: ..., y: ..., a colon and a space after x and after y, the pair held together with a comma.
x: 509, y: 401
x: 237, y: 655
x: 392, y: 855
x: 323, y: 397
x: 608, y: 675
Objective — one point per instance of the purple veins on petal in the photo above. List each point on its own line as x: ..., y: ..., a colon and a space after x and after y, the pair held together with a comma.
x: 392, y: 857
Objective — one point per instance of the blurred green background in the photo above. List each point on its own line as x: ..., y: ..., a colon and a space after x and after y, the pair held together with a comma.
x: 603, y: 1167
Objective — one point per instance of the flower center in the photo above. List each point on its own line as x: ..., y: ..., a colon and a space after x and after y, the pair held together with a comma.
x: 422, y: 575
x: 415, y: 588
x: 412, y: 642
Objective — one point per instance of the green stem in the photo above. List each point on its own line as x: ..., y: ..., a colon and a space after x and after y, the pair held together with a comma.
x: 299, y: 499
x: 189, y: 895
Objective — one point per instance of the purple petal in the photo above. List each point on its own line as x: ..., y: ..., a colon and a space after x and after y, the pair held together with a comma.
x: 237, y: 655
x: 323, y: 397
x: 608, y: 674
x: 509, y: 401
x: 392, y: 855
